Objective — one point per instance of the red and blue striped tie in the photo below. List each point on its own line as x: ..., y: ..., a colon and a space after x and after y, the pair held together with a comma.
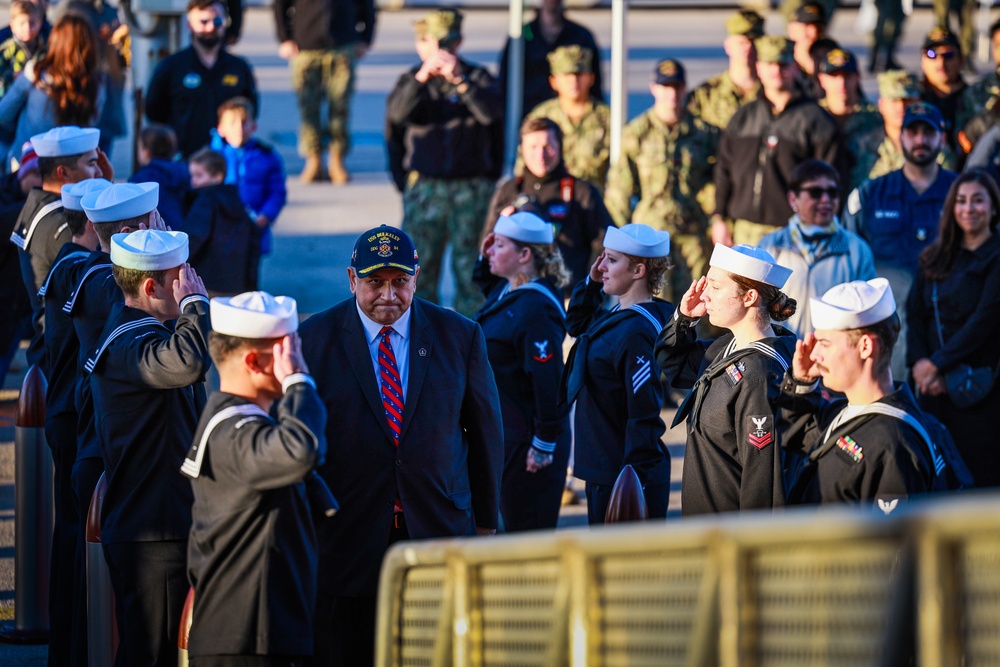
x: 392, y: 386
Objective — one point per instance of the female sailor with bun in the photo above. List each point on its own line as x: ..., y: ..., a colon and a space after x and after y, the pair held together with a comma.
x: 732, y: 461
x: 522, y: 275
x: 611, y: 374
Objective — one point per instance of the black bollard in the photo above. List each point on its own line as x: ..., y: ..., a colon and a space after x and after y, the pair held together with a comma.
x: 33, y: 516
x: 627, y: 503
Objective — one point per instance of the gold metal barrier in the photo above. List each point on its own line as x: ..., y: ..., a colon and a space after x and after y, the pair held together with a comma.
x: 807, y: 587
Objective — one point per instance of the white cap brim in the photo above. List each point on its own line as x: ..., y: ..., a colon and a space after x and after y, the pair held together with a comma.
x: 73, y: 193
x: 121, y: 201
x: 66, y: 140
x: 638, y: 240
x: 525, y: 227
x: 750, y: 262
x: 254, y: 315
x: 853, y: 305
x: 149, y: 250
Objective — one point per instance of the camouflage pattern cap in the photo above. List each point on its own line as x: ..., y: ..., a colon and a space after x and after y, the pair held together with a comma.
x: 774, y: 50
x: 444, y: 25
x: 570, y: 60
x: 745, y: 22
x: 810, y: 13
x: 897, y: 84
x: 940, y: 36
x: 838, y: 61
x: 669, y: 72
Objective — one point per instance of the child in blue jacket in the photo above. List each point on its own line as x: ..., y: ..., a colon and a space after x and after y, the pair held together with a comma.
x: 155, y: 155
x: 251, y: 164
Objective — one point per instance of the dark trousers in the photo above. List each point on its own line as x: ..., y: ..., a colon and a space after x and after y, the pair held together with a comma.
x: 150, y: 584
x: 599, y: 496
x: 84, y: 478
x: 531, y: 500
x: 67, y: 532
x: 345, y: 626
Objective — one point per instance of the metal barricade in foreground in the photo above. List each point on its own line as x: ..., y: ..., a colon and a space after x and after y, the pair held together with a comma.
x: 798, y: 587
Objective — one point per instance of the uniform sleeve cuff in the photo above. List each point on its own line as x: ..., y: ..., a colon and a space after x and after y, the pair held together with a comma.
x: 684, y: 319
x: 295, y: 378
x: 191, y: 298
x: 542, y: 446
x: 793, y: 385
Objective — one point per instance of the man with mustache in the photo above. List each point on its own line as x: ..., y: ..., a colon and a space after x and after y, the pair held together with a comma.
x: 187, y: 88
x: 898, y: 213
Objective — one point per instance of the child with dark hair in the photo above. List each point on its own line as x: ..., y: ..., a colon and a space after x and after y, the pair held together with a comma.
x: 251, y: 164
x: 225, y: 243
x: 156, y: 155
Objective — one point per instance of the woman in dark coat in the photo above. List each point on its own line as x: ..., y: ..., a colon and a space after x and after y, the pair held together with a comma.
x: 960, y: 274
x: 522, y: 275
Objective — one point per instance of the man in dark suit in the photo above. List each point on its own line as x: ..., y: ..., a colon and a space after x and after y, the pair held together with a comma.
x: 416, y: 441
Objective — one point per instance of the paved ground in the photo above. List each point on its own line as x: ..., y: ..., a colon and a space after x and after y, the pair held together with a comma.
x: 316, y: 231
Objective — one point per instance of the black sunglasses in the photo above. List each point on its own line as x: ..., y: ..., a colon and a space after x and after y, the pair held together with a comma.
x: 818, y: 192
x: 947, y: 55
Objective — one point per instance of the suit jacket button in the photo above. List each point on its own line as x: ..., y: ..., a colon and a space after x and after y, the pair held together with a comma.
x: 399, y: 462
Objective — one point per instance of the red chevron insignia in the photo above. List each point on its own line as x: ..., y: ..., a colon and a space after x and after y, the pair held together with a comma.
x: 760, y: 442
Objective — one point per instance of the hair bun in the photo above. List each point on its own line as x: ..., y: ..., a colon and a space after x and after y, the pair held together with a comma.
x: 782, y: 307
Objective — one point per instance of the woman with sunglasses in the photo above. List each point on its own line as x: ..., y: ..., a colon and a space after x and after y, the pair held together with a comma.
x: 814, y: 245
x: 522, y: 275
x: 610, y: 372
x: 732, y: 461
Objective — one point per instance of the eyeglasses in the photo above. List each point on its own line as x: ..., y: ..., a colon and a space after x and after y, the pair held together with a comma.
x: 947, y: 55
x: 818, y: 192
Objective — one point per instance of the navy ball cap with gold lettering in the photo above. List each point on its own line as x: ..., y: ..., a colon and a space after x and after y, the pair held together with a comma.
x: 384, y: 247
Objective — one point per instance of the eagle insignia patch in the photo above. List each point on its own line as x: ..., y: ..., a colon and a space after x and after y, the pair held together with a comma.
x: 762, y: 433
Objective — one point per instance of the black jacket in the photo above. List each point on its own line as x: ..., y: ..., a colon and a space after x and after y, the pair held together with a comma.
x: 224, y: 242
x: 252, y: 552
x: 573, y: 205
x: 732, y: 461
x: 324, y: 24
x: 758, y: 152
x: 148, y: 383
x: 436, y: 131
x: 62, y: 349
x: 185, y: 95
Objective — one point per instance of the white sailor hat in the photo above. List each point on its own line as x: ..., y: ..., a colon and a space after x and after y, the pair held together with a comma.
x: 121, y: 201
x: 525, y: 227
x: 66, y: 140
x: 73, y: 193
x: 853, y: 305
x: 254, y: 315
x: 638, y: 240
x: 149, y: 250
x: 750, y: 262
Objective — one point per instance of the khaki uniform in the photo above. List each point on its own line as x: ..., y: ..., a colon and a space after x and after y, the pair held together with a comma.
x: 319, y: 75
x: 669, y: 171
x: 716, y: 100
x: 586, y: 146
x: 437, y: 210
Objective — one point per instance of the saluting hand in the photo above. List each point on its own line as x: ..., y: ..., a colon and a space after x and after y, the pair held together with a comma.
x: 188, y: 282
x: 487, y: 243
x: 288, y: 357
x: 104, y: 164
x: 803, y: 367
x: 691, y: 304
x: 595, y: 273
x: 156, y: 222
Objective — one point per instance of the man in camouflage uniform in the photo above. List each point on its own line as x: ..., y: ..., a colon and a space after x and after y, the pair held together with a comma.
x: 764, y: 141
x: 805, y: 29
x: 444, y: 138
x: 942, y: 84
x: 897, y: 90
x: 584, y: 122
x: 322, y: 40
x: 666, y: 166
x: 716, y: 100
x: 858, y: 118
x: 789, y: 8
